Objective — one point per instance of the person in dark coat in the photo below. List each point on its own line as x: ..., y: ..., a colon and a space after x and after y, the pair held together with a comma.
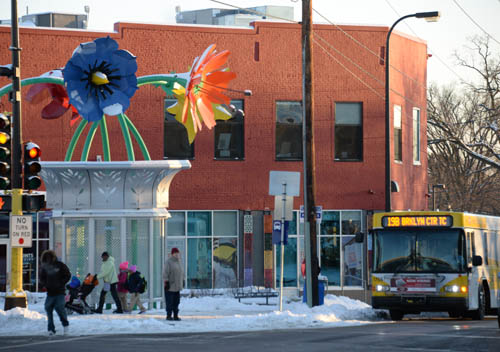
x: 134, y: 287
x: 54, y: 275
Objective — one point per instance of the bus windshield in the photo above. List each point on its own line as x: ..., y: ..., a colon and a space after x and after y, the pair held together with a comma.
x: 422, y: 251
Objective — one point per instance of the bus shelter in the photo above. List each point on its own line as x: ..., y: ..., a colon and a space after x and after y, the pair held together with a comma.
x: 118, y: 207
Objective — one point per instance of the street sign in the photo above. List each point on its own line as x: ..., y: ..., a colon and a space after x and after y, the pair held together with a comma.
x: 319, y: 213
x: 277, y: 232
x: 279, y: 178
x: 21, y: 231
x: 278, y: 208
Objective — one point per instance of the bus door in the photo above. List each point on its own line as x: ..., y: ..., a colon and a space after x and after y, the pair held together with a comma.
x: 474, y: 271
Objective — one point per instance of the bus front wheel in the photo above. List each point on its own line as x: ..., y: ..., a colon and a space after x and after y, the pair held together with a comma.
x: 481, y: 301
x: 396, y: 314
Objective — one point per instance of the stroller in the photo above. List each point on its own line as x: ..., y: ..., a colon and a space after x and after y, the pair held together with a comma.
x: 78, y: 292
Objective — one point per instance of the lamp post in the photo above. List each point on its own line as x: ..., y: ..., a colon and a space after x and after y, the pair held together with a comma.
x: 430, y: 17
x: 434, y: 187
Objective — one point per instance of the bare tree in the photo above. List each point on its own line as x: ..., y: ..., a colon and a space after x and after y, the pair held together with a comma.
x: 464, y: 134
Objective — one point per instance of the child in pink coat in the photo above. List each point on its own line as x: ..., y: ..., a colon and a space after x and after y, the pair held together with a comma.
x: 122, y: 286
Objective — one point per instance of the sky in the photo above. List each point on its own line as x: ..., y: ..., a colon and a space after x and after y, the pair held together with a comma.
x: 202, y: 314
x: 445, y: 37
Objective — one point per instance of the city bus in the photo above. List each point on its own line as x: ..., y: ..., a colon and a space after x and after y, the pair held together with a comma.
x: 436, y: 261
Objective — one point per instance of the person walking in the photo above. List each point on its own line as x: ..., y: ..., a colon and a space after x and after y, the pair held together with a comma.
x: 54, y: 275
x: 134, y: 287
x: 110, y: 279
x: 122, y: 286
x: 173, y: 278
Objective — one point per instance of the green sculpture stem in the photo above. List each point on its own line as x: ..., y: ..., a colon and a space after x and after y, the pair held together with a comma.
x: 138, y: 138
x: 74, y: 140
x: 126, y: 137
x: 33, y: 80
x: 105, y: 139
x: 88, y: 141
x: 167, y: 80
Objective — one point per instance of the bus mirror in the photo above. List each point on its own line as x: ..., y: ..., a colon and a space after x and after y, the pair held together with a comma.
x: 359, y: 237
x: 477, y: 260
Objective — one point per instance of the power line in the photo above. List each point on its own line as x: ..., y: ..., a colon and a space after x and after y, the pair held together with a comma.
x: 346, y: 57
x: 369, y: 50
x: 432, y: 52
x: 473, y: 21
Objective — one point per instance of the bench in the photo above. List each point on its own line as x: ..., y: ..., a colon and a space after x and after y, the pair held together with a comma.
x: 255, y: 293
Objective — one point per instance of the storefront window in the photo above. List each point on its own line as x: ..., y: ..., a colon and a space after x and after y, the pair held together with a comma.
x: 225, y: 262
x: 351, y: 222
x: 330, y: 259
x: 199, y: 264
x: 330, y: 224
x: 199, y: 223
x: 353, y: 261
x: 176, y: 224
x: 290, y: 264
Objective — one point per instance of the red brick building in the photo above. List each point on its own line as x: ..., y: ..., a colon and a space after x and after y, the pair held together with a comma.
x: 227, y: 179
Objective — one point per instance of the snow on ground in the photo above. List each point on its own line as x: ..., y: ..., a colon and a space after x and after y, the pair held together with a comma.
x: 202, y: 314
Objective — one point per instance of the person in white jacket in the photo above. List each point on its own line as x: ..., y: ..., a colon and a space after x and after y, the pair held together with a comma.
x: 110, y: 279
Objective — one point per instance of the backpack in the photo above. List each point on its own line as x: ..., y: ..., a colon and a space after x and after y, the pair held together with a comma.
x: 143, y: 284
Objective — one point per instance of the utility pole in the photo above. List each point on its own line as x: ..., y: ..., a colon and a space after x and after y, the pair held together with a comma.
x: 308, y: 157
x: 15, y: 296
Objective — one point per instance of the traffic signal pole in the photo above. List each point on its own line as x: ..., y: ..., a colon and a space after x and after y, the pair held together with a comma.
x: 15, y: 296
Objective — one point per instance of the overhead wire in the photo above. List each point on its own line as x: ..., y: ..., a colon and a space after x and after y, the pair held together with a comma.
x: 329, y: 54
x: 432, y: 52
x: 473, y: 21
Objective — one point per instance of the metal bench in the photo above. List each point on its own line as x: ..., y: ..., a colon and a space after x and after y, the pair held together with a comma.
x: 255, y: 293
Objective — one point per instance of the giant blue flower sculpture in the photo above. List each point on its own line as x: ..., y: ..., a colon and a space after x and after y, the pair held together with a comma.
x: 100, y: 79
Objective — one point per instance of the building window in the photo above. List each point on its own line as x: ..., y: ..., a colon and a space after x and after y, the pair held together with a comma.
x: 349, y: 131
x: 229, y: 135
x: 175, y: 142
x: 416, y: 135
x: 398, y: 134
x: 210, y: 249
x: 288, y: 130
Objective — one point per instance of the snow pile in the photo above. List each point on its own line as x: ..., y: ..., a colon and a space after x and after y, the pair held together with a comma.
x: 200, y: 314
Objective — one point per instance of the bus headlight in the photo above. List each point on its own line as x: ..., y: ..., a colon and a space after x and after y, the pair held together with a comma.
x: 381, y: 288
x: 456, y: 289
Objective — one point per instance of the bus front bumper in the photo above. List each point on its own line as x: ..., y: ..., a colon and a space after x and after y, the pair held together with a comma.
x: 420, y: 303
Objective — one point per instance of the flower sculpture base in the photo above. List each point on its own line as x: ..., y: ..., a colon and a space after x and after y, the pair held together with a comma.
x: 92, y: 186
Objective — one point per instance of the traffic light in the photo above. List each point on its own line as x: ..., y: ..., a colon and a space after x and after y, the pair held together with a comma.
x: 5, y: 151
x: 31, y: 166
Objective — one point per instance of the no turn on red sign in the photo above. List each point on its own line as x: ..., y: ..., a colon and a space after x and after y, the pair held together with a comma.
x: 21, y: 231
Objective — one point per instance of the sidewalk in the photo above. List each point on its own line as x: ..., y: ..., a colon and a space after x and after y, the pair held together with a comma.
x: 203, y: 314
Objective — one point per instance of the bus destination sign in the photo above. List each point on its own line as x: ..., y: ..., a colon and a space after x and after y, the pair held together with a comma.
x: 417, y: 221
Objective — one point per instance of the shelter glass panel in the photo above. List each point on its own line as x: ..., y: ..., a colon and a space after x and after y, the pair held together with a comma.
x: 77, y: 247
x: 138, y: 245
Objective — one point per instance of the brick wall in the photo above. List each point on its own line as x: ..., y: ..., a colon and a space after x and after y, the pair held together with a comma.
x: 274, y: 73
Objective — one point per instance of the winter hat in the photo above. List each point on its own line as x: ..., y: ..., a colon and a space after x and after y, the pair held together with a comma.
x: 105, y: 254
x: 133, y: 268
x: 75, y: 282
x: 124, y: 266
x: 175, y: 250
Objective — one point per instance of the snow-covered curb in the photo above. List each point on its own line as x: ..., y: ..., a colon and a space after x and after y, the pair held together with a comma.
x: 202, y: 314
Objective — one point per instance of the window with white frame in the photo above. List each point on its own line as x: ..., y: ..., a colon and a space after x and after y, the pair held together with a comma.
x: 208, y: 242
x: 416, y: 135
x: 398, y: 134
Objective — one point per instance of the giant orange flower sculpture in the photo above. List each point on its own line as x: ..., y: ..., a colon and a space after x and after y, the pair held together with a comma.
x: 204, y: 92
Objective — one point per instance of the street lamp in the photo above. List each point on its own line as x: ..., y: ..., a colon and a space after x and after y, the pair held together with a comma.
x: 430, y: 17
x: 434, y: 187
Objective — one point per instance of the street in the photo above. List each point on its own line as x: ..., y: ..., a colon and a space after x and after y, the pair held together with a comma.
x: 437, y: 334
